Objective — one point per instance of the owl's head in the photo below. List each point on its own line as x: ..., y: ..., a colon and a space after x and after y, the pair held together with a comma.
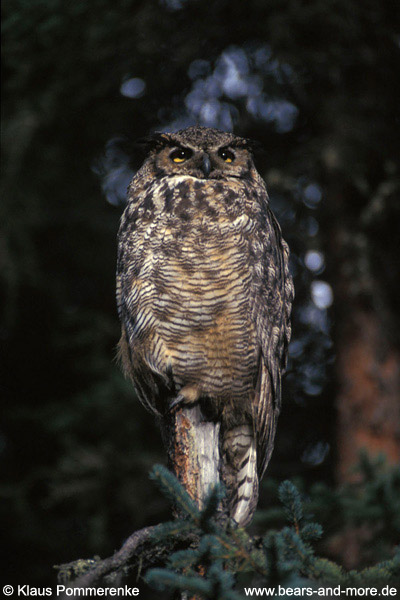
x: 201, y: 152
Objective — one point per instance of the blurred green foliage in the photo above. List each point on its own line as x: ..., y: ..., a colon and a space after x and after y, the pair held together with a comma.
x: 364, y: 512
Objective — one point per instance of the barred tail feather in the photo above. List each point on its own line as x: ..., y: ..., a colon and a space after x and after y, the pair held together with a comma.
x: 240, y: 466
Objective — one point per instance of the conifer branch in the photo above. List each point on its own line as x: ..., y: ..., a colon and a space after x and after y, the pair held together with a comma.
x: 143, y: 548
x: 200, y: 552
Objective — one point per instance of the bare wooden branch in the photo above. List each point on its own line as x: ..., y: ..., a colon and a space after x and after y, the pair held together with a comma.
x: 140, y: 550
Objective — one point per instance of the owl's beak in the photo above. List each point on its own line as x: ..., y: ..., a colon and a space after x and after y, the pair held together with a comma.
x: 206, y: 165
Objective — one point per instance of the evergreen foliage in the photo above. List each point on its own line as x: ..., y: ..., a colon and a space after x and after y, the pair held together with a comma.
x: 368, y: 506
x: 211, y: 567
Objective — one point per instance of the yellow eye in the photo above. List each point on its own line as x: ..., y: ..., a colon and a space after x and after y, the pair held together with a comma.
x: 180, y: 155
x: 227, y: 155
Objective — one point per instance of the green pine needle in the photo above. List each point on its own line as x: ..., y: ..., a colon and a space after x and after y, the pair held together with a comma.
x: 311, y: 531
x: 163, y: 579
x: 174, y: 491
x: 211, y: 505
x: 171, y: 529
x: 291, y: 500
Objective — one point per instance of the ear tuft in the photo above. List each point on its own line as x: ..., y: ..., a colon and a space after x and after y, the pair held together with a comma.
x: 147, y: 144
x: 259, y: 153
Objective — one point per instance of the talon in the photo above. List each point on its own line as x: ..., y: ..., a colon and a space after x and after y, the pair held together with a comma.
x: 175, y: 402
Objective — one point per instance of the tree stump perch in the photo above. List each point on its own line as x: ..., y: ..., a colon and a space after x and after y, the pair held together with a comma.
x: 192, y: 444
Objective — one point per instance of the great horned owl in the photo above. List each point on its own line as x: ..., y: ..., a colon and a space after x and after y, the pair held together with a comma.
x: 204, y: 296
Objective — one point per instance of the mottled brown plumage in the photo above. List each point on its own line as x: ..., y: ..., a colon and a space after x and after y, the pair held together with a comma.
x: 204, y: 296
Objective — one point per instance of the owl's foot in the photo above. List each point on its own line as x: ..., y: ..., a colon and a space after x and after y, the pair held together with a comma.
x: 189, y: 394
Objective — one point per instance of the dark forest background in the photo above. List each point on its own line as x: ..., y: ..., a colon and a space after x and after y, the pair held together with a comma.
x: 317, y: 83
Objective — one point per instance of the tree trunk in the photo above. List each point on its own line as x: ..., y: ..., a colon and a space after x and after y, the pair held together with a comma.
x: 364, y: 260
x: 368, y: 400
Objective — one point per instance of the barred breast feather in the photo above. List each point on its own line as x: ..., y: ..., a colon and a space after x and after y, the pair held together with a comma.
x: 185, y: 298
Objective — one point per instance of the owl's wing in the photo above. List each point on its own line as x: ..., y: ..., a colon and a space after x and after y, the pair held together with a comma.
x: 272, y: 300
x: 267, y: 408
x: 135, y: 320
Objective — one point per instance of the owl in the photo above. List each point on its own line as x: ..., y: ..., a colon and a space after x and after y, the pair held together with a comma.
x: 204, y: 297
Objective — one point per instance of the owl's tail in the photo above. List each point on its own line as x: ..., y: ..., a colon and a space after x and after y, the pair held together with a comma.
x: 240, y: 470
